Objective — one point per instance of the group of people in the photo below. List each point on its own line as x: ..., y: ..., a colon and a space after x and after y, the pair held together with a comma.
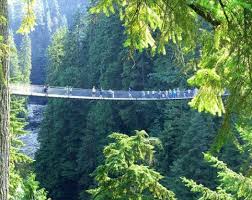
x: 101, y: 92
x: 170, y: 93
x: 69, y: 90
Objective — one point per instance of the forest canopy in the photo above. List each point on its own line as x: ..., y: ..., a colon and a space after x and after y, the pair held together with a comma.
x: 136, y: 45
x: 223, y: 44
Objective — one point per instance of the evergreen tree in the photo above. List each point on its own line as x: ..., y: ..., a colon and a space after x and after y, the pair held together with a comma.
x: 228, y: 38
x: 233, y: 185
x: 48, y: 17
x: 125, y: 173
x: 190, y: 162
x: 93, y: 141
x: 15, y: 73
x: 179, y: 128
x: 61, y: 139
x: 39, y: 11
x: 22, y: 180
x: 4, y: 102
x: 62, y: 184
x: 22, y: 184
x: 56, y: 12
x: 33, y: 190
x: 56, y: 54
x: 25, y: 58
x: 90, y: 54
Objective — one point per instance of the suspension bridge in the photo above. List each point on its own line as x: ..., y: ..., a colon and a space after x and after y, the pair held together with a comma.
x: 79, y: 93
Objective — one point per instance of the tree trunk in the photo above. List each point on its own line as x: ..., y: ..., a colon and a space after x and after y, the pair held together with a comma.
x: 4, y: 106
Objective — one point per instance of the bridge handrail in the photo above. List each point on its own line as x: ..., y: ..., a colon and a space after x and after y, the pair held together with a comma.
x: 38, y: 86
x: 97, y: 90
x: 65, y: 92
x: 136, y: 92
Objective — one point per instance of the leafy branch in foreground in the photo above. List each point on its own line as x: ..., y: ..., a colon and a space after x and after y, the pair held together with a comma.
x: 206, y: 193
x: 222, y: 48
x: 126, y: 174
x: 29, y: 18
x: 233, y: 185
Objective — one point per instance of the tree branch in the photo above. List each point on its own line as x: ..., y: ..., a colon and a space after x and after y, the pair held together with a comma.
x: 223, y: 8
x: 204, y: 14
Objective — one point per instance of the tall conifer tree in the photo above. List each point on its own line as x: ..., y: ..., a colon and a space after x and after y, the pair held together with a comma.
x: 4, y: 102
x: 25, y: 58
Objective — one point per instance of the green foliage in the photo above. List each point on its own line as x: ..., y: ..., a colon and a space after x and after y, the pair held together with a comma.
x: 25, y: 59
x: 29, y: 189
x: 73, y: 133
x: 223, y: 46
x: 4, y: 48
x: 184, y: 136
x: 32, y: 189
x: 3, y: 20
x: 126, y: 174
x: 60, y: 138
x: 17, y: 124
x: 208, y: 97
x: 56, y: 54
x: 15, y: 72
x: 207, y: 194
x: 232, y: 185
x: 143, y: 20
x: 22, y: 184
x: 29, y: 18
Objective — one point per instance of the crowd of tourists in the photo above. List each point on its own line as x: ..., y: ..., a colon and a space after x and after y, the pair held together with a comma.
x: 170, y: 93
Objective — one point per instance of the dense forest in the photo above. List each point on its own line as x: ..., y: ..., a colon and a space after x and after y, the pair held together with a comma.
x: 128, y: 150
x: 26, y: 52
x: 22, y: 177
x: 50, y: 15
x: 74, y: 133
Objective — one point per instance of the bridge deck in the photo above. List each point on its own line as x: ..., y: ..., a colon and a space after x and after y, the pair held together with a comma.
x: 78, y: 93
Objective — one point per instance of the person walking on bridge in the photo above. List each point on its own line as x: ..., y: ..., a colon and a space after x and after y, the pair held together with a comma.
x: 93, y: 91
x: 101, y: 92
x: 178, y: 92
x: 159, y: 93
x: 66, y: 89
x: 130, y: 95
x: 70, y: 89
x: 174, y: 93
x: 46, y: 89
x: 112, y: 93
x: 170, y: 93
x: 143, y: 94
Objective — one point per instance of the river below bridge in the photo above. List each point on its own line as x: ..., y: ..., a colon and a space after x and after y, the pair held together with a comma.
x: 35, y: 116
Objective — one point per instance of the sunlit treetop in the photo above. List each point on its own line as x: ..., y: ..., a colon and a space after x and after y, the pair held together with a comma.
x: 29, y: 18
x: 153, y: 23
x: 27, y: 25
x: 126, y: 173
x: 220, y: 31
